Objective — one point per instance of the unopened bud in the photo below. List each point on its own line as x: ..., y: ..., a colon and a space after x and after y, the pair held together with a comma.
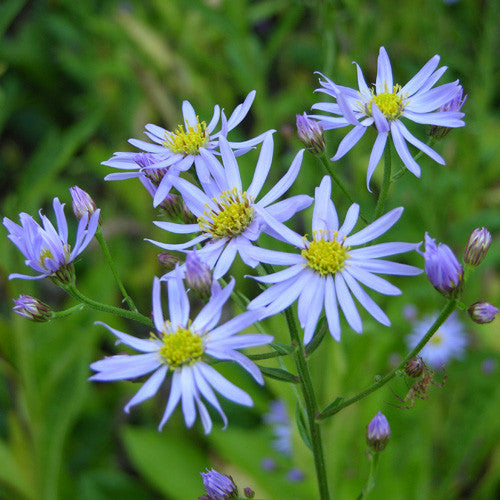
x: 311, y: 134
x: 414, y: 367
x: 168, y: 260
x: 198, y: 275
x: 477, y: 246
x: 378, y: 432
x: 482, y: 312
x: 455, y: 105
x: 33, y: 309
x: 249, y: 493
x: 219, y: 486
x: 82, y: 202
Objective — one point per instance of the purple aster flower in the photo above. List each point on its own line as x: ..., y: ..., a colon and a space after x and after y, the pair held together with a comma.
x: 193, y: 142
x: 378, y: 432
x: 218, y: 486
x: 447, y: 343
x: 454, y: 105
x: 328, y: 270
x: 184, y: 348
x: 278, y: 420
x: 197, y: 274
x: 385, y: 105
x: 229, y: 218
x: 311, y: 134
x: 442, y: 267
x: 82, y: 202
x: 46, y: 249
x: 33, y: 309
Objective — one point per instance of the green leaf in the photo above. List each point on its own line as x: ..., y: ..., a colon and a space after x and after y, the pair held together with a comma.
x: 279, y: 374
x: 169, y: 461
x: 283, y: 349
x: 302, y: 426
x: 333, y: 405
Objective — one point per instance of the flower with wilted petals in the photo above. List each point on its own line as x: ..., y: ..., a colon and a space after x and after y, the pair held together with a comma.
x: 385, y: 105
x: 230, y: 218
x: 184, y: 348
x: 328, y: 269
x: 218, y: 486
x: 447, y: 343
x: 193, y: 142
x: 46, y: 249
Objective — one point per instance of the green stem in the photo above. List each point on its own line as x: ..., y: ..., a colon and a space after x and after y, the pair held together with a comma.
x: 386, y: 182
x: 447, y: 310
x: 370, y: 483
x: 331, y: 172
x: 117, y: 311
x: 107, y: 255
x: 68, y: 312
x: 307, y: 391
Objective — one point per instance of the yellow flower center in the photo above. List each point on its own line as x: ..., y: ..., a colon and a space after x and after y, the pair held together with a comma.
x: 436, y: 339
x: 323, y: 255
x: 233, y: 215
x: 187, y: 142
x: 390, y: 104
x: 182, y: 347
x: 45, y: 253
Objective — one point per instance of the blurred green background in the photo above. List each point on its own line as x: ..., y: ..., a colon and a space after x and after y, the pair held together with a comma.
x: 77, y: 79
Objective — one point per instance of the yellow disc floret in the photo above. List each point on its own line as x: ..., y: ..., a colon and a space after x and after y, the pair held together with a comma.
x: 181, y: 347
x: 325, y: 255
x: 390, y: 104
x: 232, y: 215
x: 436, y: 339
x: 187, y: 142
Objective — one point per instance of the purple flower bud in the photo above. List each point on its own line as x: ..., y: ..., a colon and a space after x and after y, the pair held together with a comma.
x: 82, y: 202
x: 198, y: 275
x: 482, y: 312
x: 249, y: 493
x: 33, y: 309
x: 168, y: 260
x: 378, y: 432
x: 442, y: 268
x: 219, y: 486
x: 453, y: 106
x: 477, y: 246
x: 311, y: 134
x: 414, y: 367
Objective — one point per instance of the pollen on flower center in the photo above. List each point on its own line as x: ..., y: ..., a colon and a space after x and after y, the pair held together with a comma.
x: 182, y: 347
x: 187, y: 142
x: 323, y: 255
x: 233, y: 215
x: 391, y: 104
x: 436, y: 339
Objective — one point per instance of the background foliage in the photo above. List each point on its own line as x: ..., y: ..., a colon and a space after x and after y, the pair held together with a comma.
x: 79, y: 78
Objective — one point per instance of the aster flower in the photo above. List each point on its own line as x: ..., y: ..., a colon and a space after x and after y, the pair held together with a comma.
x: 172, y: 152
x: 328, y: 269
x: 230, y: 219
x: 455, y: 104
x: 278, y: 420
x: 219, y: 486
x: 447, y: 343
x: 183, y: 348
x: 385, y: 105
x: 46, y: 249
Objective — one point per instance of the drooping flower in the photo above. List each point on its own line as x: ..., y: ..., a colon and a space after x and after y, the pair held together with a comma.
x: 442, y: 267
x: 328, y: 270
x: 32, y: 308
x: 184, y: 348
x: 46, y: 249
x: 385, y: 105
x: 172, y: 152
x: 229, y: 218
x: 447, y: 343
x: 378, y: 432
x: 219, y: 486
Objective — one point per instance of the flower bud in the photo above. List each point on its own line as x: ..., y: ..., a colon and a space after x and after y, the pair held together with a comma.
x: 442, y: 268
x: 414, y: 367
x: 378, y: 433
x: 249, y: 493
x: 482, y: 312
x: 454, y: 106
x: 311, y: 134
x: 477, y: 246
x: 82, y: 202
x: 168, y: 260
x: 33, y: 309
x: 198, y: 275
x: 219, y: 486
